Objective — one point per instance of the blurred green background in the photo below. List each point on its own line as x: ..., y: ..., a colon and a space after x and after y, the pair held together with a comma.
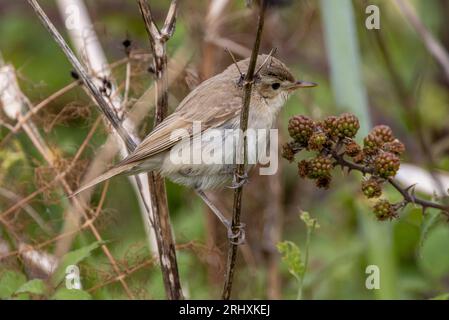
x: 384, y: 76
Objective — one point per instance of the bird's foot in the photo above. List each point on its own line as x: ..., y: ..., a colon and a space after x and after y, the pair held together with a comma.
x: 244, y: 179
x: 236, y: 235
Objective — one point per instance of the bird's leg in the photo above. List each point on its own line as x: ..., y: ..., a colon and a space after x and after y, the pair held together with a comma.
x: 244, y: 179
x: 236, y: 238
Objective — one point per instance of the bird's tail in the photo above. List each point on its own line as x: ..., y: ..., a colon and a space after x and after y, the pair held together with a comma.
x: 105, y: 176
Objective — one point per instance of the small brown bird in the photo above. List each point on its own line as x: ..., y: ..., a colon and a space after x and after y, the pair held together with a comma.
x: 215, y: 104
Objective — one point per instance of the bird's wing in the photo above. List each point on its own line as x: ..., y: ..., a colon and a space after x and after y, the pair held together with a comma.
x: 183, y: 118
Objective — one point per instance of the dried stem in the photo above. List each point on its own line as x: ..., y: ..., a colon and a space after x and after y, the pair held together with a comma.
x: 103, y: 105
x: 161, y: 218
x: 240, y: 170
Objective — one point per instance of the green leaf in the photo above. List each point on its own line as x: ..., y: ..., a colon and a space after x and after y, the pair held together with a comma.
x: 291, y: 255
x: 35, y: 286
x: 10, y: 281
x: 71, y: 294
x: 73, y: 258
x: 434, y: 261
x: 444, y: 296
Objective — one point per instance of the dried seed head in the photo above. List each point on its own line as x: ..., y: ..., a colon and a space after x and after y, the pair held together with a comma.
x: 352, y: 148
x: 323, y: 182
x: 303, y: 168
x: 287, y: 152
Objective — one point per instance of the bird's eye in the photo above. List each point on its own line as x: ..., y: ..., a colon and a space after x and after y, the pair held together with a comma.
x: 276, y: 85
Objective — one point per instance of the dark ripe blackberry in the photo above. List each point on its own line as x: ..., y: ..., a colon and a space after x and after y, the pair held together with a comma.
x: 287, y: 152
x: 383, y: 132
x: 323, y: 182
x: 320, y: 167
x: 371, y: 188
x: 303, y: 168
x: 395, y: 146
x: 352, y: 148
x: 347, y: 125
x: 317, y: 141
x: 371, y: 144
x: 384, y: 210
x: 301, y: 128
x: 386, y: 164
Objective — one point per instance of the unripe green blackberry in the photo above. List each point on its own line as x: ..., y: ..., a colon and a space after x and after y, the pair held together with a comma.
x: 386, y: 164
x: 287, y: 152
x: 371, y: 188
x: 347, y: 125
x: 320, y: 167
x: 352, y: 148
x: 301, y: 128
x: 329, y: 125
x: 384, y: 210
x: 383, y: 132
x: 371, y: 144
x: 323, y: 182
x: 303, y: 168
x: 317, y: 141
x: 395, y: 146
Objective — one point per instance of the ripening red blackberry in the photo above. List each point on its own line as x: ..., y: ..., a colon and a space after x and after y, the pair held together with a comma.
x: 384, y: 210
x: 383, y: 132
x: 301, y: 128
x: 371, y: 188
x: 329, y: 125
x: 386, y: 164
x: 395, y: 146
x: 323, y: 182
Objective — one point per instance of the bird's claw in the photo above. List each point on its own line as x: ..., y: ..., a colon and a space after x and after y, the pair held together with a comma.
x: 238, y: 237
x: 237, y: 184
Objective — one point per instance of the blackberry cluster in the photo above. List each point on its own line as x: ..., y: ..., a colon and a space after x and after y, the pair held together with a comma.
x: 332, y: 140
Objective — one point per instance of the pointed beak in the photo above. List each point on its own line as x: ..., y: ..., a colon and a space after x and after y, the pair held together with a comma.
x: 302, y: 84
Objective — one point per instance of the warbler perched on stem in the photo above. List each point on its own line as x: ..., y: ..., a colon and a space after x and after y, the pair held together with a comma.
x: 216, y: 104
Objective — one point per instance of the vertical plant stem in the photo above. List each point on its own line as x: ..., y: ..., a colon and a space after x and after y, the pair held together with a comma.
x: 240, y: 171
x: 161, y: 217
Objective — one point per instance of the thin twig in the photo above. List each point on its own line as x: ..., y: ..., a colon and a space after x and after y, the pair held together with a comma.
x: 240, y: 170
x: 408, y: 196
x: 161, y: 218
x: 103, y: 105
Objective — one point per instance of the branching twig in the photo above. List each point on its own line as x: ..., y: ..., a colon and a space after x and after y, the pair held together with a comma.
x: 409, y: 197
x: 240, y: 171
x: 161, y: 218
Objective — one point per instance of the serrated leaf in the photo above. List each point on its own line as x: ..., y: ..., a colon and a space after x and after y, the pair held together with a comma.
x: 35, y: 286
x: 291, y: 255
x: 10, y: 281
x: 73, y: 258
x: 428, y: 222
x: 71, y: 294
